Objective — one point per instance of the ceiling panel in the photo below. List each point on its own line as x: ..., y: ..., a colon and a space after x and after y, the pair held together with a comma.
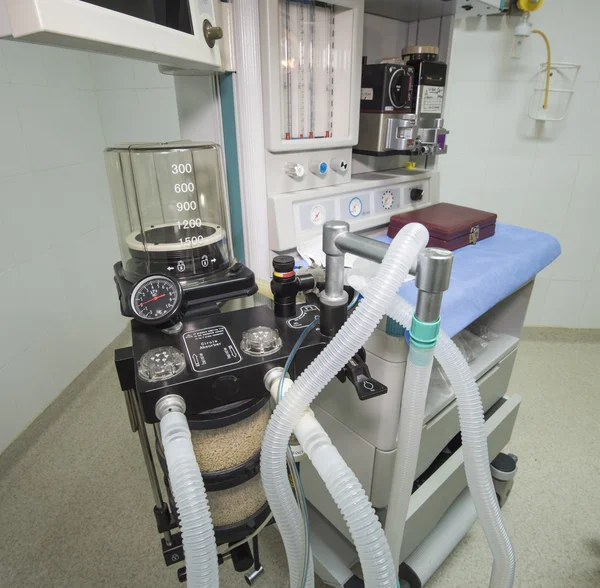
x: 409, y: 10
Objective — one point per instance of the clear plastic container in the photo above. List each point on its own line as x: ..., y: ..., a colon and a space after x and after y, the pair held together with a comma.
x: 171, y: 210
x: 230, y: 446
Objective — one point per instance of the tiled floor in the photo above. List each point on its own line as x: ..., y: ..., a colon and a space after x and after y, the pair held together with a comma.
x: 75, y: 506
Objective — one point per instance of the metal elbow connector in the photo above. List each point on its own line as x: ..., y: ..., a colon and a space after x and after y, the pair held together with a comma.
x: 432, y: 279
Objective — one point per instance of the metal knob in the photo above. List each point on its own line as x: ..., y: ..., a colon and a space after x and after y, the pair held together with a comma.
x: 339, y: 165
x: 294, y: 170
x: 319, y: 168
x: 211, y: 34
x: 416, y: 194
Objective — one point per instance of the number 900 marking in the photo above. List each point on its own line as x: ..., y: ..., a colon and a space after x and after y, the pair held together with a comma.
x: 191, y: 205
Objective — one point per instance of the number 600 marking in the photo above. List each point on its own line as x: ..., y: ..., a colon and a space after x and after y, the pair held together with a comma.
x: 187, y: 187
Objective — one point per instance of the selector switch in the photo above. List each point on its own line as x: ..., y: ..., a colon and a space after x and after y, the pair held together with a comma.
x: 339, y: 165
x: 284, y: 264
x: 296, y: 171
x: 319, y: 168
x: 416, y: 194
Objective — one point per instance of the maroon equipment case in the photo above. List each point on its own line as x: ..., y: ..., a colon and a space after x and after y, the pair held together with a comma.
x: 450, y: 226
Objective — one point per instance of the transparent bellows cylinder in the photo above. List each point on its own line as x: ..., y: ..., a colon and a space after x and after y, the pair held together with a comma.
x: 171, y: 210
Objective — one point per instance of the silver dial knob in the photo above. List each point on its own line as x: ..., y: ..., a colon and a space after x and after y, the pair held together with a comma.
x: 211, y: 33
x: 294, y: 170
x: 340, y: 165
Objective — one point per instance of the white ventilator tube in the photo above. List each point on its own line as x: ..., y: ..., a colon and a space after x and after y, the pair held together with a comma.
x: 350, y: 338
x: 198, y: 536
x: 475, y: 448
x: 348, y: 494
x: 412, y: 414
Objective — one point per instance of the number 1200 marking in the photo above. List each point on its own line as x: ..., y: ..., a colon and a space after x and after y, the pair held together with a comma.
x: 189, y: 224
x: 182, y: 168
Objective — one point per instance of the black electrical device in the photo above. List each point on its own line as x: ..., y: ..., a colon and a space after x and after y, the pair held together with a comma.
x: 386, y: 88
x: 428, y: 74
x: 387, y: 93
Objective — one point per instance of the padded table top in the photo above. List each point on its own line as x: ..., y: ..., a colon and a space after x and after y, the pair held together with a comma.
x: 486, y: 273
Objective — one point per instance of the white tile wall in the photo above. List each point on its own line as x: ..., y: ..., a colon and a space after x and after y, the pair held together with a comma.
x: 58, y: 307
x: 383, y: 38
x: 542, y: 176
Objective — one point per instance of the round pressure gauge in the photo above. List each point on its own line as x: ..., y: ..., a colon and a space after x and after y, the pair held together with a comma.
x: 355, y: 206
x: 157, y: 300
x: 387, y: 200
x: 317, y: 214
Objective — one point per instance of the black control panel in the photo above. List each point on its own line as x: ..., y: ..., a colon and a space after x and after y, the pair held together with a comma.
x: 217, y: 371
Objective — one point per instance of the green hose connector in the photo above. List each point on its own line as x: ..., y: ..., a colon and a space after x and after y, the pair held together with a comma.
x: 393, y: 329
x: 424, y: 335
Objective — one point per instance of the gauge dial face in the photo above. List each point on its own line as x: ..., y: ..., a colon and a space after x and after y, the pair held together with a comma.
x: 387, y: 200
x: 355, y: 206
x: 155, y: 298
x: 317, y: 214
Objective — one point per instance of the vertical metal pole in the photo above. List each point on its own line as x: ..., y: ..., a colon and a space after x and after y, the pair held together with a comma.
x: 258, y: 569
x: 256, y: 552
x: 147, y: 453
x: 129, y: 401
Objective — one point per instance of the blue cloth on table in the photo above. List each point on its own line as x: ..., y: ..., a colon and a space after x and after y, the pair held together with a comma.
x: 486, y: 273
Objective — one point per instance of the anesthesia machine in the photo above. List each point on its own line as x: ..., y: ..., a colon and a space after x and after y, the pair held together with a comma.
x: 315, y: 410
x: 327, y: 404
x: 202, y: 378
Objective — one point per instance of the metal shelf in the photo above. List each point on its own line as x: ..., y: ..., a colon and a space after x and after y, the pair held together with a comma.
x: 412, y: 10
